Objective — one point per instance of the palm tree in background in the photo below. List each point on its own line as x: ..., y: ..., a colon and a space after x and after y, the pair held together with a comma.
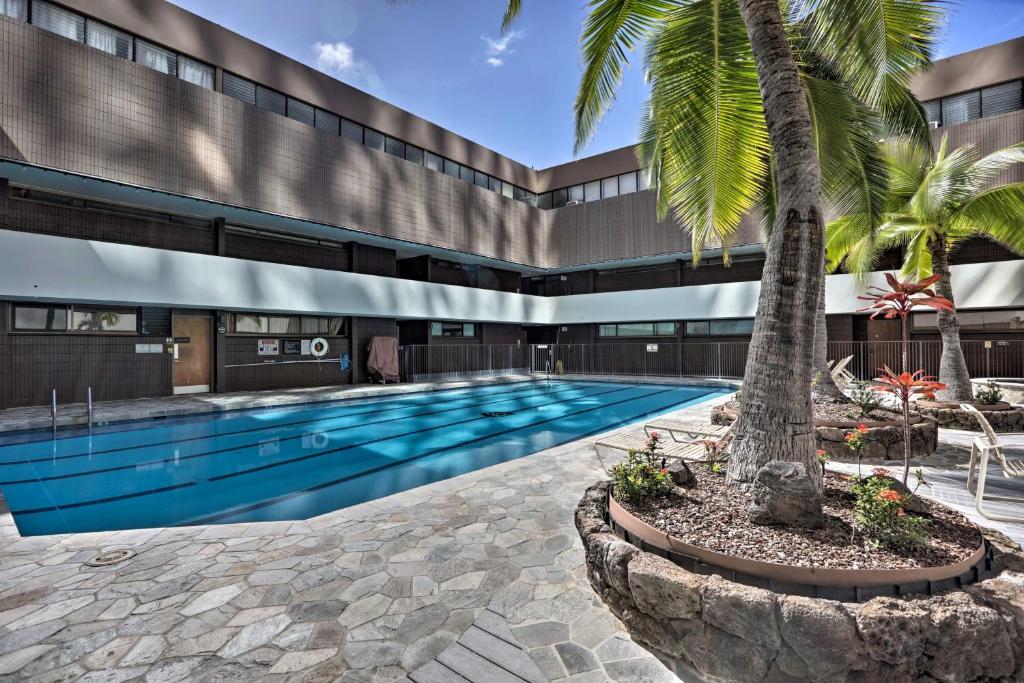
x: 933, y: 203
x: 766, y: 106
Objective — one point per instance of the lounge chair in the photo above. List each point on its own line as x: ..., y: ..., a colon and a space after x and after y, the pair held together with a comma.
x: 621, y: 442
x: 840, y: 375
x: 981, y: 449
x: 691, y: 430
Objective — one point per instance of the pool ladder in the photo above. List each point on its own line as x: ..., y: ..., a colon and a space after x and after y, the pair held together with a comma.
x: 53, y: 409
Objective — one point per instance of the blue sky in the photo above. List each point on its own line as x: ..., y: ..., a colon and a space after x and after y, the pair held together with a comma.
x: 445, y: 60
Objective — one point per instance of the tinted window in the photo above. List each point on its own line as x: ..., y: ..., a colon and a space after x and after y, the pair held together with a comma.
x: 41, y: 318
x: 394, y: 147
x: 372, y: 138
x: 1000, y: 99
x: 544, y: 201
x: 576, y: 193
x: 665, y: 329
x: 610, y: 187
x: 507, y: 189
x: 480, y: 179
x: 434, y: 162
x: 102, y: 320
x: 110, y: 40
x: 494, y: 184
x: 325, y: 120
x: 726, y: 327
x: 961, y: 108
x: 414, y: 154
x: 239, y: 88
x: 627, y: 183
x: 15, y: 9
x: 271, y: 100
x: 697, y: 328
x: 933, y: 111
x: 592, y: 191
x: 300, y: 111
x: 350, y: 130
x: 559, y: 198
x: 607, y: 330
x: 451, y: 168
x: 59, y: 21
x: 466, y: 173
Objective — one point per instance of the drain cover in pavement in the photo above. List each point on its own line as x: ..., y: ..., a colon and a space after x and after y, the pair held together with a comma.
x: 111, y: 557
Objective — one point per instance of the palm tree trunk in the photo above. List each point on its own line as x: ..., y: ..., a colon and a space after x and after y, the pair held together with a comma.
x: 824, y: 386
x: 952, y: 367
x: 776, y: 423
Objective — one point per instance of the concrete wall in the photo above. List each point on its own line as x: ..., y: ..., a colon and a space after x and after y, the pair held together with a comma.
x: 61, y: 269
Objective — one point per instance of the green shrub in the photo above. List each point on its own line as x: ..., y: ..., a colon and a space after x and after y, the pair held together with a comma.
x: 642, y: 476
x: 881, y: 515
x: 866, y: 400
x: 989, y: 394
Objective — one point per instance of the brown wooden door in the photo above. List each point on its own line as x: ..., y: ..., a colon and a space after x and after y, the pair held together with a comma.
x: 883, y: 344
x: 192, y: 366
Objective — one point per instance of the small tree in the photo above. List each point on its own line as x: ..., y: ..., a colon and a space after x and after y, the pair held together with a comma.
x: 904, y: 386
x: 900, y: 300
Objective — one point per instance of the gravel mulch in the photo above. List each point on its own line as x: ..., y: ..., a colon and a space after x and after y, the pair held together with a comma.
x: 831, y: 411
x: 712, y: 514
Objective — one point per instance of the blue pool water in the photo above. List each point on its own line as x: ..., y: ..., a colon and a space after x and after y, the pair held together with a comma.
x: 302, y: 461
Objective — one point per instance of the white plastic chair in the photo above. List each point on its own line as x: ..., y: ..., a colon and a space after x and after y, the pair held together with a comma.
x: 981, y: 448
x: 840, y: 375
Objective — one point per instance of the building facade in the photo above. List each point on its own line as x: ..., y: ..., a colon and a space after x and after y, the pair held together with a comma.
x: 182, y: 209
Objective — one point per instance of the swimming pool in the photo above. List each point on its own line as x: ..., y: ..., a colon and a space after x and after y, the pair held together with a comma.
x: 302, y: 461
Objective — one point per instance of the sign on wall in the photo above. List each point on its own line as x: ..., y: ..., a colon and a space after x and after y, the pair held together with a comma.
x: 652, y: 348
x: 292, y: 347
x: 268, y: 347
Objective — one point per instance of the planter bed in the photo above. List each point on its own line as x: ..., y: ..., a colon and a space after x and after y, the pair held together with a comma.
x: 693, y: 617
x: 884, y: 439
x: 1002, y: 416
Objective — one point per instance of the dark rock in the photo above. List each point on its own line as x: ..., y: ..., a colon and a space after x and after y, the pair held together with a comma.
x: 679, y: 473
x: 783, y: 493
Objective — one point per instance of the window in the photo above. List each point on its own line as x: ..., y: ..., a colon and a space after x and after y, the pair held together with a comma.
x: 961, y: 108
x: 730, y: 327
x: 246, y: 323
x: 271, y: 100
x: 41, y: 318
x: 975, y: 321
x: 526, y: 196
x: 325, y: 120
x: 592, y: 191
x: 196, y: 73
x: 544, y: 201
x: 559, y: 198
x: 372, y: 138
x: 157, y: 58
x: 16, y: 9
x: 394, y: 147
x: 641, y: 180
x: 110, y: 40
x: 999, y: 99
x: 414, y: 154
x: 576, y: 193
x: 697, y: 328
x: 507, y: 190
x: 662, y: 329
x: 239, y: 88
x: 704, y: 328
x: 84, y: 319
x: 933, y: 112
x: 494, y: 184
x: 627, y: 183
x: 480, y: 179
x: 350, y: 130
x: 434, y: 162
x: 300, y: 111
x: 451, y: 168
x: 610, y: 187
x: 59, y: 21
x: 452, y: 329
x: 466, y: 173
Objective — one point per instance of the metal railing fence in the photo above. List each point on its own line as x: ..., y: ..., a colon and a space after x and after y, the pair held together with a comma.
x: 726, y: 360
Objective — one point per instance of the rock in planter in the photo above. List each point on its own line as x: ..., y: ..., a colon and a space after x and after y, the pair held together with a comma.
x: 912, y: 503
x: 679, y: 473
x: 783, y: 493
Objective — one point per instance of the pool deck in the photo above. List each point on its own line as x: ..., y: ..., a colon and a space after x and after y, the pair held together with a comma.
x: 465, y: 575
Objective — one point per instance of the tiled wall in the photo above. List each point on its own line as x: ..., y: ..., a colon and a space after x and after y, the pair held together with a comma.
x: 257, y: 375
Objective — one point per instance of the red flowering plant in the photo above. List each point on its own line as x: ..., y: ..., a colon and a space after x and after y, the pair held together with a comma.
x: 643, y: 474
x: 881, y: 513
x: 855, y: 442
x: 904, y: 387
x: 900, y: 300
x: 823, y: 458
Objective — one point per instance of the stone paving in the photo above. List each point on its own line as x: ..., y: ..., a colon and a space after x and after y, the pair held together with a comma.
x: 367, y: 593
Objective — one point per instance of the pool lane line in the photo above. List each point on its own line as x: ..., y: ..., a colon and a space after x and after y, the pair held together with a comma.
x: 228, y: 412
x: 212, y: 519
x: 203, y: 454
x: 132, y: 466
x: 171, y: 442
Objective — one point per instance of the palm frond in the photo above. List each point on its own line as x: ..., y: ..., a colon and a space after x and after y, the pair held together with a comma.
x: 706, y: 118
x: 612, y: 30
x: 512, y: 11
x: 997, y: 214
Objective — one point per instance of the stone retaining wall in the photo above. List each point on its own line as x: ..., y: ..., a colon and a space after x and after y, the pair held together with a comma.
x: 954, y: 418
x: 881, y: 443
x: 730, y: 632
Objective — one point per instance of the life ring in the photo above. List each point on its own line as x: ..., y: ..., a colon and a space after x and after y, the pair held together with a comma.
x: 318, y: 347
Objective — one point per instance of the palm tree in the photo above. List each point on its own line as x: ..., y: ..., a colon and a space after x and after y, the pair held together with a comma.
x: 932, y: 204
x: 746, y: 97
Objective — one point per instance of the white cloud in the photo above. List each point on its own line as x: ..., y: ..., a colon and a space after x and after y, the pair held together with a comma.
x: 498, y: 47
x: 339, y: 59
